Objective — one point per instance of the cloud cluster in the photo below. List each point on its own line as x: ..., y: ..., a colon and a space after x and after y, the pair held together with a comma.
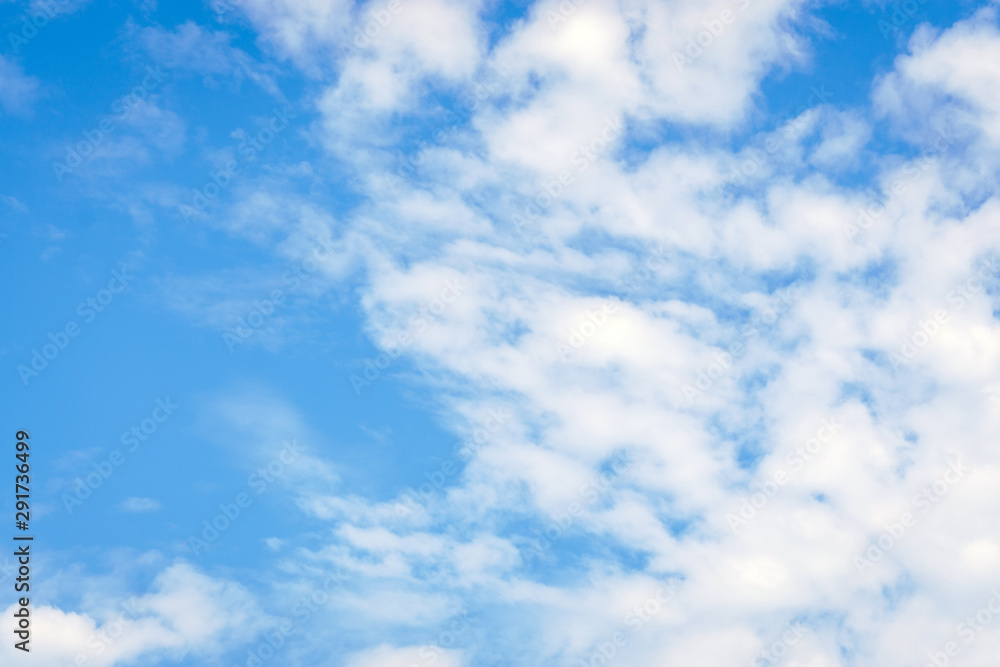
x: 186, y: 614
x: 726, y: 242
x: 731, y: 228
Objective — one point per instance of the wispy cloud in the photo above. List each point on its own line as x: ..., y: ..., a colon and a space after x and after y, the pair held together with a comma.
x: 140, y: 505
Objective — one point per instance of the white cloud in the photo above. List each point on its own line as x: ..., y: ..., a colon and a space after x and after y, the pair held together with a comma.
x: 185, y: 615
x: 948, y: 77
x: 192, y: 47
x: 717, y: 84
x: 297, y: 28
x: 135, y: 504
x: 160, y: 128
x: 53, y: 9
x: 827, y: 356
x: 256, y: 426
x: 389, y: 656
x: 13, y: 202
x: 843, y: 136
x: 18, y: 91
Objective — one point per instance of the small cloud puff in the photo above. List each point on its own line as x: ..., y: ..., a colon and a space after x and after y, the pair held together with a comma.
x: 135, y: 504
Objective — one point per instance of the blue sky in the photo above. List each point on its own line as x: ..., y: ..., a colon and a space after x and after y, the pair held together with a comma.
x: 460, y: 343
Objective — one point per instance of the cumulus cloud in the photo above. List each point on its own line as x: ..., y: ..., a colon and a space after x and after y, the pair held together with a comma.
x: 948, y: 77
x: 846, y: 391
x: 186, y: 614
x: 717, y: 404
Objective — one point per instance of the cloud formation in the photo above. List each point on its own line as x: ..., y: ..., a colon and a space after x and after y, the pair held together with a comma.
x: 724, y: 382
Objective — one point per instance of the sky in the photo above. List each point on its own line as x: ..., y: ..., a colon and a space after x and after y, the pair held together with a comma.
x: 468, y: 333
